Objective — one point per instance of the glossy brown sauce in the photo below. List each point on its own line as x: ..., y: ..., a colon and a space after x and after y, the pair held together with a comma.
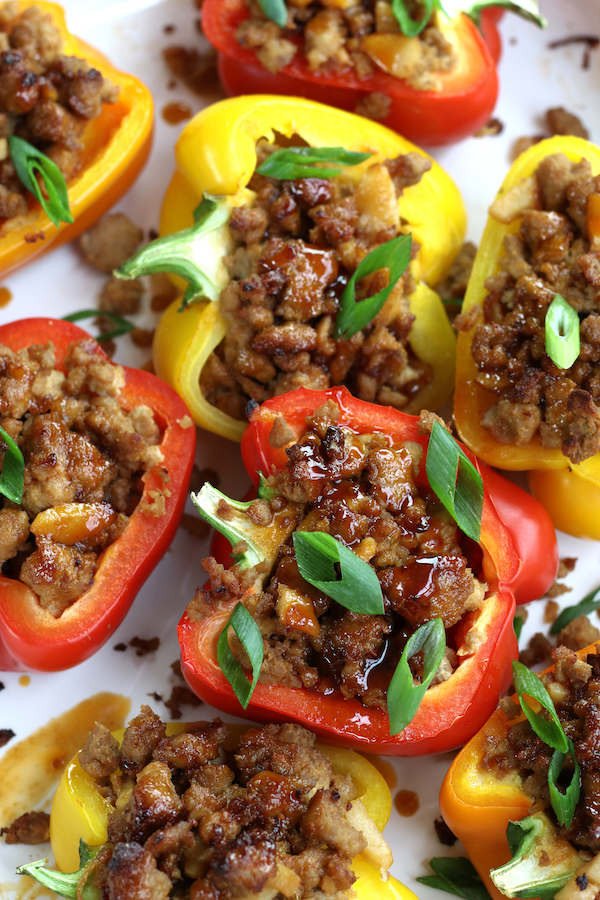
x: 386, y: 770
x: 24, y: 680
x: 407, y: 803
x: 30, y: 769
x: 176, y: 112
x: 5, y: 296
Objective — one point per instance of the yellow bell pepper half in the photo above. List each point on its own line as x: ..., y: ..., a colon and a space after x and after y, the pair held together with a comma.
x: 571, y: 494
x: 80, y: 812
x: 216, y: 155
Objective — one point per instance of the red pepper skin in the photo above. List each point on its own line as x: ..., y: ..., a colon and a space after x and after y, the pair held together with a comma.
x: 31, y: 638
x: 459, y: 109
x: 450, y: 711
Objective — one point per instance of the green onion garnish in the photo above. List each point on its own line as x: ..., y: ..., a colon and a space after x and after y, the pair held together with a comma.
x: 275, y: 10
x: 408, y: 26
x: 122, y: 326
x: 527, y: 9
x: 307, y: 162
x: 336, y: 571
x: 562, y: 333
x: 28, y: 160
x: 62, y: 883
x: 551, y: 733
x: 403, y: 695
x: 352, y: 316
x: 456, y: 875
x: 455, y: 481
x: 13, y: 465
x: 518, y: 623
x: 187, y: 253
x: 249, y: 634
x: 589, y: 603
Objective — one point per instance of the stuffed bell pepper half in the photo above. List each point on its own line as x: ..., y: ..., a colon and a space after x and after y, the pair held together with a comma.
x: 75, y: 132
x: 528, y: 371
x: 306, y: 220
x: 213, y: 810
x: 96, y: 462
x: 357, y: 605
x: 425, y: 69
x: 522, y: 795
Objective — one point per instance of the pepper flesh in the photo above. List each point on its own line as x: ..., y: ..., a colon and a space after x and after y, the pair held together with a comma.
x: 556, y: 482
x: 80, y: 812
x: 451, y: 710
x: 461, y: 106
x: 31, y: 638
x: 216, y: 154
x: 116, y: 145
x: 477, y: 806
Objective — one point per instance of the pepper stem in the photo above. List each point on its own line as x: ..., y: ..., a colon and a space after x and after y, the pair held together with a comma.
x: 527, y: 9
x: 533, y: 841
x: 195, y: 254
x: 236, y: 526
x: 65, y: 884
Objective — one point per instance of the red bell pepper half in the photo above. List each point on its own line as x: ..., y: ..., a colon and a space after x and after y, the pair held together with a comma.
x: 462, y: 106
x: 451, y: 711
x: 30, y: 637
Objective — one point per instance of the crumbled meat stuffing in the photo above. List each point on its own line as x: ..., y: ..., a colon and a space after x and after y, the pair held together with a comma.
x: 296, y: 246
x: 578, y: 633
x: 45, y: 98
x: 362, y: 491
x: 110, y: 242
x: 207, y: 813
x: 197, y: 70
x: 143, y: 646
x: 337, y: 37
x: 534, y: 400
x: 575, y: 690
x: 6, y: 735
x: 30, y: 828
x: 444, y: 835
x: 537, y: 651
x: 84, y: 456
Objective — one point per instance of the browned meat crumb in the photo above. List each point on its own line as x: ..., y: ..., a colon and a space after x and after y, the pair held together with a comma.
x: 557, y: 590
x: 195, y: 525
x: 197, y: 70
x: 551, y: 612
x: 537, y: 651
x: 162, y: 289
x: 578, y: 633
x: 143, y: 646
x: 110, y: 242
x: 120, y: 648
x: 180, y: 696
x: 142, y: 337
x: 490, y: 129
x: 374, y: 106
x: 560, y: 121
x: 565, y: 566
x: 444, y: 835
x: 524, y: 143
x: 6, y: 734
x: 121, y: 297
x: 454, y: 285
x: 30, y: 828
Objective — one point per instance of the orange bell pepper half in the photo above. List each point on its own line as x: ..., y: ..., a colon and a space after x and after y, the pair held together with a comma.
x: 116, y: 146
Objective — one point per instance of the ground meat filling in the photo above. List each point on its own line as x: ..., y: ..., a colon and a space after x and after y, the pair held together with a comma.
x: 84, y: 458
x: 551, y: 253
x: 575, y: 690
x: 361, y: 37
x: 45, y: 98
x: 361, y: 489
x: 297, y: 247
x: 213, y: 815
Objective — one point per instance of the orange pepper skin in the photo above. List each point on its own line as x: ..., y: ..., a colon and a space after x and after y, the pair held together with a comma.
x: 451, y: 711
x: 471, y: 400
x: 116, y: 146
x: 30, y: 638
x: 477, y: 806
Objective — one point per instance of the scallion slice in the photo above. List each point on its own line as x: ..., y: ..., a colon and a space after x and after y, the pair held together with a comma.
x: 251, y: 639
x: 13, y: 466
x: 122, y: 326
x: 275, y: 10
x: 562, y: 333
x: 28, y: 160
x: 404, y: 696
x: 455, y: 481
x: 291, y: 163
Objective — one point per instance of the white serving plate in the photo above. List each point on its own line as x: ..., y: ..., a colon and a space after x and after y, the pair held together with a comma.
x: 533, y: 78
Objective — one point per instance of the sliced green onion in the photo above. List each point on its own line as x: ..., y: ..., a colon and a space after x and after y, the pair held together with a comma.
x: 409, y: 26
x: 336, y: 571
x: 13, y: 466
x: 235, y: 528
x: 456, y: 875
x: 455, y: 481
x: 186, y: 253
x: 122, y: 326
x: 562, y: 333
x: 307, y: 162
x: 352, y: 316
x: 518, y: 623
x: 275, y: 10
x: 535, y: 869
x: 28, y: 160
x: 550, y: 732
x: 586, y: 606
x: 62, y: 883
x: 404, y: 696
x: 251, y: 639
x: 564, y: 804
